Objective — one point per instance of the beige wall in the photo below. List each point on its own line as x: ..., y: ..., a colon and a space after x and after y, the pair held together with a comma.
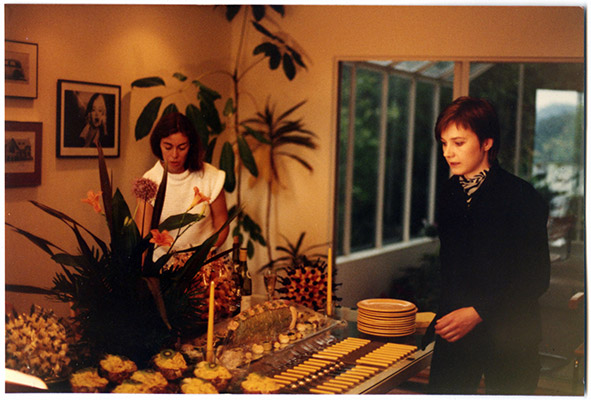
x: 117, y: 44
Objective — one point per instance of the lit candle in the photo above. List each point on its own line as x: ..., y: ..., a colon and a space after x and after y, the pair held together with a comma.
x: 329, y: 284
x: 209, y: 353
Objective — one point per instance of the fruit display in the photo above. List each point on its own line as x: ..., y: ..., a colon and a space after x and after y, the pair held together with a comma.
x: 117, y: 368
x: 305, y: 284
x: 37, y: 344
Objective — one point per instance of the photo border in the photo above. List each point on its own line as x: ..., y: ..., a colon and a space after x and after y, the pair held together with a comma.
x: 29, y: 90
x: 23, y: 179
x: 62, y: 86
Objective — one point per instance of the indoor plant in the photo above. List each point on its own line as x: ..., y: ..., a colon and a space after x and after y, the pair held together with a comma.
x: 124, y: 302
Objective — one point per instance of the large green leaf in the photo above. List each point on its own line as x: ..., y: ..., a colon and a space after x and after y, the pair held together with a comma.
x: 127, y: 235
x: 28, y: 289
x: 246, y: 156
x: 211, y: 115
x: 181, y: 77
x: 209, y: 150
x: 296, y: 56
x: 43, y: 244
x: 229, y: 108
x: 153, y: 284
x: 67, y: 220
x: 178, y: 221
x: 232, y: 11
x: 258, y: 11
x: 147, y: 118
x: 227, y: 165
x: 196, y: 117
x: 148, y: 82
x: 271, y: 51
x: 278, y: 8
x: 157, y: 211
x: 106, y: 187
x: 265, y: 32
x: 288, y: 66
x: 170, y: 109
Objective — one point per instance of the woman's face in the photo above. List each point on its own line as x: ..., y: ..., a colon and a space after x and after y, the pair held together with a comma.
x: 98, y: 112
x: 175, y: 149
x: 463, y: 152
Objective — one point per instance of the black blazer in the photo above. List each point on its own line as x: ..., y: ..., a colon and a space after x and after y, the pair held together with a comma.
x: 494, y: 254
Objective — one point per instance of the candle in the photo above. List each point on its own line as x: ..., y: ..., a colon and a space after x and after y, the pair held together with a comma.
x: 329, y: 284
x: 209, y: 353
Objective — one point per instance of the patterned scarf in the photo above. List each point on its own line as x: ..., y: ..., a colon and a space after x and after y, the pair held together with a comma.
x: 471, y: 185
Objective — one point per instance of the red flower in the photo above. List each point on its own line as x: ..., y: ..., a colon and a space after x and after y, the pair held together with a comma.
x: 199, y: 198
x: 161, y: 238
x: 93, y: 199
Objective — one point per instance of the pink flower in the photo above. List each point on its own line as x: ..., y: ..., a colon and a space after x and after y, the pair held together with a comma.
x: 144, y: 189
x: 161, y: 238
x: 199, y: 198
x: 94, y: 200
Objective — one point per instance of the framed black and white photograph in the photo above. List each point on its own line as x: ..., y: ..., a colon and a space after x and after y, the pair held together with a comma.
x: 20, y: 69
x: 22, y: 156
x: 87, y: 113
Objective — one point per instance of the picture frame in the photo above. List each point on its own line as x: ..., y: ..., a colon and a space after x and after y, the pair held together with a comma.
x: 22, y: 156
x: 20, y: 69
x: 87, y: 111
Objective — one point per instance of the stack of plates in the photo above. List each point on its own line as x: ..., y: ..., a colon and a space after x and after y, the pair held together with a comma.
x: 386, y: 317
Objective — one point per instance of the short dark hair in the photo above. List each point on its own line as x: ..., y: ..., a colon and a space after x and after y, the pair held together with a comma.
x: 175, y: 122
x: 472, y: 113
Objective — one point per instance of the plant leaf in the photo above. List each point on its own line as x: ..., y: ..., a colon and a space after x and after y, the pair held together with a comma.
x: 148, y: 82
x: 40, y: 242
x: 196, y: 117
x: 28, y: 289
x: 258, y: 11
x: 246, y: 156
x: 170, y: 109
x: 265, y: 32
x: 210, y: 149
x: 227, y: 164
x: 278, y: 8
x: 296, y: 56
x: 106, y: 188
x: 153, y: 284
x: 179, y: 76
x: 178, y: 221
x: 288, y: 67
x: 232, y: 11
x: 148, y: 116
x: 229, y: 107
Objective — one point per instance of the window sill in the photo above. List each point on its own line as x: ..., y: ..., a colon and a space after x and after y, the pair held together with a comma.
x: 363, y: 254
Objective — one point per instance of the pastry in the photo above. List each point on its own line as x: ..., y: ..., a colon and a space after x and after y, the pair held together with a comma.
x: 197, y: 386
x: 259, y: 384
x: 117, y: 368
x: 154, y: 381
x: 216, y: 374
x: 170, y: 363
x: 88, y: 380
x: 131, y: 386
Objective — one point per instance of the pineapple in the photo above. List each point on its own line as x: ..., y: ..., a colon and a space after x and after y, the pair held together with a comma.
x: 305, y: 283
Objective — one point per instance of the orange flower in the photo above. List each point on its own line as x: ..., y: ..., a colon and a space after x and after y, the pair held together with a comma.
x: 93, y: 199
x: 199, y: 198
x: 161, y: 238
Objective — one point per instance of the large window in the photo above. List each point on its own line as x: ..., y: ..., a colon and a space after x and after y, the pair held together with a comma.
x: 389, y: 166
x: 388, y: 159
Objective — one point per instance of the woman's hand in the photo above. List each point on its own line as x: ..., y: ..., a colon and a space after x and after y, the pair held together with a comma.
x: 455, y: 325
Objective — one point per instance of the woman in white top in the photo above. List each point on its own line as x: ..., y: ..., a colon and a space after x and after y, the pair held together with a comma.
x: 175, y: 142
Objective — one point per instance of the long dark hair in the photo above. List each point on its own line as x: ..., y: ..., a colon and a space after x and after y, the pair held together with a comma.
x: 472, y: 113
x: 176, y: 122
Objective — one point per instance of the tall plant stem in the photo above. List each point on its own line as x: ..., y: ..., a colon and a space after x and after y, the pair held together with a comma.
x: 268, y: 218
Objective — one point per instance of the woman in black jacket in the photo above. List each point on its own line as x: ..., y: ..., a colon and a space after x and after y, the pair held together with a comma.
x: 494, y: 262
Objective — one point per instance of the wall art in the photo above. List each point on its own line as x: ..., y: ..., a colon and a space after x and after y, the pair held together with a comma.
x: 87, y: 112
x: 20, y: 69
x: 22, y: 156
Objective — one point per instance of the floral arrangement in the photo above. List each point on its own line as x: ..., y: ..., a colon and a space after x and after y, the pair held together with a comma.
x: 124, y: 302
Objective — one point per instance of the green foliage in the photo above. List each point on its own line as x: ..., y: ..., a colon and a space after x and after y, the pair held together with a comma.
x: 203, y: 114
x: 124, y: 303
x: 295, y: 254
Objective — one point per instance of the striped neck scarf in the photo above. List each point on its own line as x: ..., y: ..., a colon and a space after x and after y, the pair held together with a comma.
x: 471, y: 185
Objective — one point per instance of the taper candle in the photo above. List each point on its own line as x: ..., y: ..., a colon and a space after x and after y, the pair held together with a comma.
x: 210, y: 318
x: 329, y: 284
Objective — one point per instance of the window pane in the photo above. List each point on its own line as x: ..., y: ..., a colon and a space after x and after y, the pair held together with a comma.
x: 545, y: 146
x: 345, y: 96
x: 421, y: 158
x: 365, y: 169
x: 395, y: 158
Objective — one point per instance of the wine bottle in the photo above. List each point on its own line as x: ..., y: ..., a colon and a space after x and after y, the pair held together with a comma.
x: 246, y: 291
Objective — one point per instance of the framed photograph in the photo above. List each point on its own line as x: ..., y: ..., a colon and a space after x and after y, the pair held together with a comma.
x: 87, y: 113
x: 22, y: 156
x: 20, y: 69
